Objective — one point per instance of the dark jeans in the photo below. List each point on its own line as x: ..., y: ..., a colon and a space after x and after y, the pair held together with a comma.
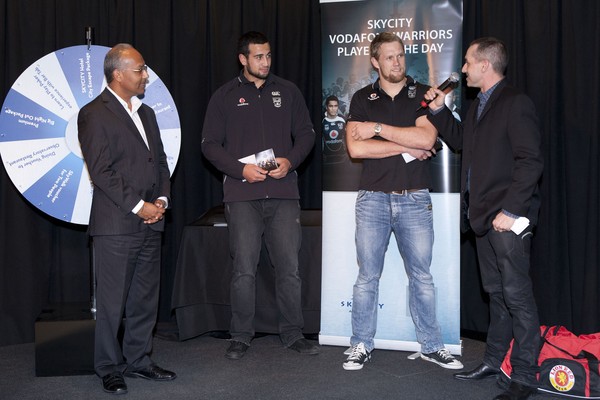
x: 279, y: 222
x: 504, y: 262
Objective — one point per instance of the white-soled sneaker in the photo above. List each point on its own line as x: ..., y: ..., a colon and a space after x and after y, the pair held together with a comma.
x: 443, y: 358
x: 357, y: 358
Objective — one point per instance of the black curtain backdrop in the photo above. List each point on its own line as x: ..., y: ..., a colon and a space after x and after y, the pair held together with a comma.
x: 190, y: 44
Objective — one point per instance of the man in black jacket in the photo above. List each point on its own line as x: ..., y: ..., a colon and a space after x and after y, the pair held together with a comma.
x: 254, y: 112
x: 121, y: 145
x: 501, y: 166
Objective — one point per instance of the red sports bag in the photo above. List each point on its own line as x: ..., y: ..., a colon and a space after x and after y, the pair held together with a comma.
x: 568, y: 363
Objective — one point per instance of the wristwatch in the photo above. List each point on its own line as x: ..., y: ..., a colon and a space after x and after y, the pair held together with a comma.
x: 377, y: 129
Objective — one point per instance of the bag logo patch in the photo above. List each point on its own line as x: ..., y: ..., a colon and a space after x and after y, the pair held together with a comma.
x: 562, y: 378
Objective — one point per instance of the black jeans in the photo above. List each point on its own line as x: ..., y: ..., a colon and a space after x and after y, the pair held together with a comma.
x: 504, y: 264
x: 279, y: 222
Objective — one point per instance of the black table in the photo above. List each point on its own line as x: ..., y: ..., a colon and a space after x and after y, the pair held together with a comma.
x: 201, y: 287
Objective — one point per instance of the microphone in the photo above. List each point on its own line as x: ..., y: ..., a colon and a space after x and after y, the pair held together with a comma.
x: 445, y: 87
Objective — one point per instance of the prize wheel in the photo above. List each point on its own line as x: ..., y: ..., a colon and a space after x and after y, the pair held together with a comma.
x: 38, y: 129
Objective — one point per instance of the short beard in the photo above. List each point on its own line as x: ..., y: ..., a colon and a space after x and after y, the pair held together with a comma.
x: 394, y: 79
x: 256, y: 74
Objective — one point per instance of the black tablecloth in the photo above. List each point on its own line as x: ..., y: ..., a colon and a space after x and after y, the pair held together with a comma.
x: 201, y: 287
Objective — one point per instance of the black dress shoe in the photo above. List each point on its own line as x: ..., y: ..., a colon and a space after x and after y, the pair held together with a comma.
x: 153, y: 373
x: 303, y: 346
x: 236, y: 350
x: 114, y: 383
x: 481, y: 372
x: 516, y: 391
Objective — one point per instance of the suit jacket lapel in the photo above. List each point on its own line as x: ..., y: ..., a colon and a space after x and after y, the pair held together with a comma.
x: 492, y: 98
x: 116, y: 107
x: 148, y: 128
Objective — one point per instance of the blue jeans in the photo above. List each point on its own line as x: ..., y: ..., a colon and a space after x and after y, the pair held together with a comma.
x: 279, y: 222
x: 410, y: 217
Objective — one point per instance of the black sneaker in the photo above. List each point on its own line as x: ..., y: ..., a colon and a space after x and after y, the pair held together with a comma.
x: 443, y: 358
x: 357, y: 358
x: 303, y: 346
x: 236, y: 350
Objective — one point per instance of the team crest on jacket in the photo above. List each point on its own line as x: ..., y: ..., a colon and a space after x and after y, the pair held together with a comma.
x: 276, y: 100
x: 373, y: 96
x: 242, y: 102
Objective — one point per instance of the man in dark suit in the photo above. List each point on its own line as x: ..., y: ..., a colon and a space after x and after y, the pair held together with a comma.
x: 121, y: 145
x: 501, y: 166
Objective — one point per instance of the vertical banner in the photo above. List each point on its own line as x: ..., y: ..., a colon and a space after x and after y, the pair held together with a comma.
x: 432, y: 34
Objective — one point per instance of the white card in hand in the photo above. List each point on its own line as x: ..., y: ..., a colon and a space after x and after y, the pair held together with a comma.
x: 519, y: 225
x: 407, y: 157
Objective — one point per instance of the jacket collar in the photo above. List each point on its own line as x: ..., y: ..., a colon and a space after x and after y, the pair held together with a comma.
x: 242, y: 80
x: 112, y: 103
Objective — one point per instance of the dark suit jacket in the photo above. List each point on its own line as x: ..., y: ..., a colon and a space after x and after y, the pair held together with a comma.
x: 503, y: 150
x: 122, y: 169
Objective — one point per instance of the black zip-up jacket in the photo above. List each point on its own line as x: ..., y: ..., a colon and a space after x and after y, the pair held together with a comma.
x: 242, y: 119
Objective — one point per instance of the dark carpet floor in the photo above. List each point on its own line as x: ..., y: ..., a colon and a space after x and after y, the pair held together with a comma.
x: 268, y: 371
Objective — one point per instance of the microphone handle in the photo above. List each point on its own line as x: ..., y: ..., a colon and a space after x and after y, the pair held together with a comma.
x: 447, y: 84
